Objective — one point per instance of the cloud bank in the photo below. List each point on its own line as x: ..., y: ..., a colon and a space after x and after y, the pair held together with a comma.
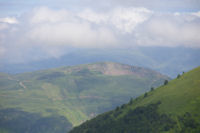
x: 44, y: 32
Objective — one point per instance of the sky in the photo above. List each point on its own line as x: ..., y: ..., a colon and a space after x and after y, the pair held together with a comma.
x: 35, y: 30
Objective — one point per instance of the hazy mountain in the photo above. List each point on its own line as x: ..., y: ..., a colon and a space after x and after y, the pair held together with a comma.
x: 167, y: 60
x: 171, y: 108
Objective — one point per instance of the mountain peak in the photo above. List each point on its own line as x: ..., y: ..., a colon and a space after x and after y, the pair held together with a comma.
x: 116, y: 69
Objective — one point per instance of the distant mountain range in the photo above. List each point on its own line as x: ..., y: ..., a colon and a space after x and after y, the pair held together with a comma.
x: 171, y: 108
x: 55, y: 100
x: 167, y: 60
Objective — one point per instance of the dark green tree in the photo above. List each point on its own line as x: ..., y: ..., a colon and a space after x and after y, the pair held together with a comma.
x: 117, y: 108
x: 145, y: 95
x: 178, y: 76
x: 123, y: 106
x: 131, y: 101
x: 165, y: 82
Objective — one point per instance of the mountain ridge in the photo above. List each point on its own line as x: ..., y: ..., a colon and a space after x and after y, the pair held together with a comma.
x: 115, y: 69
x: 168, y: 64
x: 76, y: 92
x: 171, y: 108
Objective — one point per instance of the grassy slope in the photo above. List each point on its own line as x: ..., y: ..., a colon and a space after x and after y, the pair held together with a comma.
x: 178, y: 97
x: 74, y: 92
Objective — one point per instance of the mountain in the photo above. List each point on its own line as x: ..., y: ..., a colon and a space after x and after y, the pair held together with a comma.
x: 171, y: 108
x: 180, y: 59
x: 56, y: 99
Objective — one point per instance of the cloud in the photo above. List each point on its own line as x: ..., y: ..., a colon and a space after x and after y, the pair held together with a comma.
x: 127, y: 19
x: 16, y: 7
x: 74, y: 34
x: 2, y: 51
x: 94, y: 17
x: 46, y: 15
x: 44, y: 32
x: 123, y: 19
x: 156, y: 5
x: 3, y: 26
x: 196, y: 13
x: 9, y: 20
x: 168, y: 30
x: 52, y: 33
x: 65, y: 28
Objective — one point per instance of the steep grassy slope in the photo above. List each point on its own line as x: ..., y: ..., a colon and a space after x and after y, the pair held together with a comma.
x: 79, y: 92
x: 173, y: 108
x: 179, y: 96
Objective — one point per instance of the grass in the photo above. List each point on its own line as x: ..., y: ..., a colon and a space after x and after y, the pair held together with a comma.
x: 74, y: 92
x: 178, y: 96
x: 170, y: 108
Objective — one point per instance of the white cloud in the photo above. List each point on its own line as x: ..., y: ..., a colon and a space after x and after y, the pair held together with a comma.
x: 75, y: 34
x: 52, y: 32
x: 61, y: 27
x: 44, y: 32
x: 127, y: 19
x: 123, y: 19
x: 3, y: 26
x: 46, y: 15
x: 156, y: 5
x: 94, y: 17
x: 9, y: 20
x: 169, y: 30
x: 196, y: 14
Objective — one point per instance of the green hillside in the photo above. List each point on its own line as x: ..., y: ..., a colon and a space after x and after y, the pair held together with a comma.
x: 171, y: 108
x: 77, y: 92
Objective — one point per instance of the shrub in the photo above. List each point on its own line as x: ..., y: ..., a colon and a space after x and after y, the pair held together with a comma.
x: 178, y: 76
x: 131, y: 101
x: 165, y: 82
x: 145, y: 95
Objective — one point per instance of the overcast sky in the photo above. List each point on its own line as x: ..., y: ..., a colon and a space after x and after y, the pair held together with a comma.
x: 37, y: 29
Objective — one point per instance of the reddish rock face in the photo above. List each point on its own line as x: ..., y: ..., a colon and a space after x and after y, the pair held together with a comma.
x: 116, y: 69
